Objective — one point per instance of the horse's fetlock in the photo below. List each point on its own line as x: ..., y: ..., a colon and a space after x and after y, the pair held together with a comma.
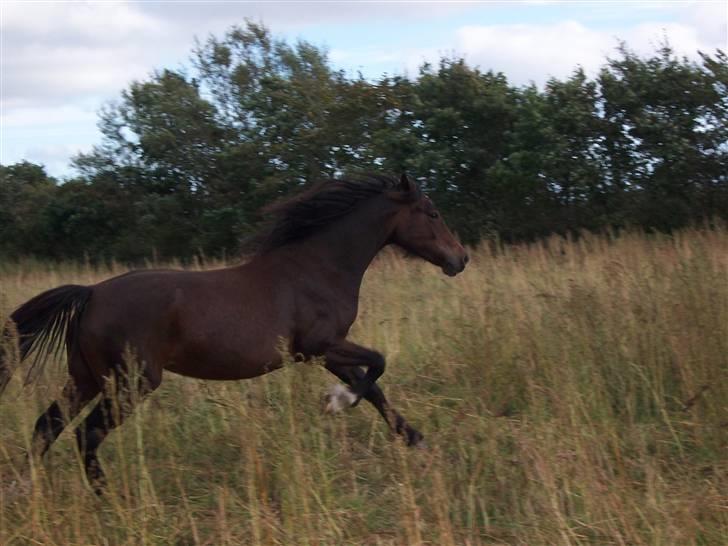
x: 339, y: 397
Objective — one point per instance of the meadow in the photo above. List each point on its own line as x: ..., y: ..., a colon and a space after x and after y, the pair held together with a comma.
x: 571, y: 392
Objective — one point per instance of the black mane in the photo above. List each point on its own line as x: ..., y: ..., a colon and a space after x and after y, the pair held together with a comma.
x: 298, y: 217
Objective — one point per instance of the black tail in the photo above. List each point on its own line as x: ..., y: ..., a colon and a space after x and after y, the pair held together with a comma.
x: 41, y: 323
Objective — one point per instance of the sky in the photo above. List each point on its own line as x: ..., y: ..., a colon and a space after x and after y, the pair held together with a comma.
x: 61, y: 61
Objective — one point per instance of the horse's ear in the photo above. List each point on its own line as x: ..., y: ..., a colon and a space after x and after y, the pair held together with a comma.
x: 407, y: 185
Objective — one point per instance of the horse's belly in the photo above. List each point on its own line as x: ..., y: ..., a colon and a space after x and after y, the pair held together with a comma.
x: 217, y: 356
x: 221, y: 362
x: 211, y: 368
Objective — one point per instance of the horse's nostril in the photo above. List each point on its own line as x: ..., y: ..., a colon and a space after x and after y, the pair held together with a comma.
x: 466, y: 259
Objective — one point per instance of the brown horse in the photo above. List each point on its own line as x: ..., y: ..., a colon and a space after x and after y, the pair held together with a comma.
x: 302, y: 285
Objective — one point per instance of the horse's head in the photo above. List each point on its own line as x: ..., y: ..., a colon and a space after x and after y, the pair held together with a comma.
x: 419, y: 229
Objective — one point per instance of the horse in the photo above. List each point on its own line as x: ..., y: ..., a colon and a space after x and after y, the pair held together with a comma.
x: 301, y: 285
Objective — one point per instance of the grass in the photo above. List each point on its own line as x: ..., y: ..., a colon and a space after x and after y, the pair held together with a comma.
x: 570, y: 393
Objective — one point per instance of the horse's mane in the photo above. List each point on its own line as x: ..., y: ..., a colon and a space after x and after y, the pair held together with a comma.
x: 295, y: 218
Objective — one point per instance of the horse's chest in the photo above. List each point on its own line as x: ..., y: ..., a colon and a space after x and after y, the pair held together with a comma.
x: 336, y: 319
x: 345, y: 319
x: 321, y: 324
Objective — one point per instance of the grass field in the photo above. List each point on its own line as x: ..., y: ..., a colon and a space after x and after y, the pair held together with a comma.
x: 570, y: 393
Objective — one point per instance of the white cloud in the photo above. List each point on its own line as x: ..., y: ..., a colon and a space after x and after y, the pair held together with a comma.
x: 42, y: 75
x: 217, y: 16
x: 47, y: 116
x: 59, y: 52
x: 712, y: 21
x: 524, y: 51
x: 536, y: 52
x: 91, y: 21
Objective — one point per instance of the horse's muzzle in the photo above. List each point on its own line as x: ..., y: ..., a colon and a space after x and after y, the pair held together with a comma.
x: 453, y: 266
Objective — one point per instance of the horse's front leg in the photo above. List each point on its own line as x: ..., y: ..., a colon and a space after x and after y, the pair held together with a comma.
x: 376, y: 398
x: 345, y: 355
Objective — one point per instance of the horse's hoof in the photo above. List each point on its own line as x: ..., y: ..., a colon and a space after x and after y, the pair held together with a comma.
x: 337, y: 398
x: 416, y: 439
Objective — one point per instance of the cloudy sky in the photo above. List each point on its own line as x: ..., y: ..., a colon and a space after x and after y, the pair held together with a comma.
x: 62, y: 60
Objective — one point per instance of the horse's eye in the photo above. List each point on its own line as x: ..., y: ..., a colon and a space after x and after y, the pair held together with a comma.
x: 433, y: 215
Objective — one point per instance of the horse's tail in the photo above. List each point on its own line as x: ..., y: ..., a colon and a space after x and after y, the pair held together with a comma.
x: 40, y: 324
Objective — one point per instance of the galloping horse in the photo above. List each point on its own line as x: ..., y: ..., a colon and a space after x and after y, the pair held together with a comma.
x: 302, y: 285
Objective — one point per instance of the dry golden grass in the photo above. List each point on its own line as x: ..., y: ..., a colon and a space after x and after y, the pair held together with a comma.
x: 570, y: 393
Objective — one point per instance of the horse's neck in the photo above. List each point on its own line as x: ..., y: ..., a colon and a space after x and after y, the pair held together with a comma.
x: 343, y: 251
x: 352, y: 243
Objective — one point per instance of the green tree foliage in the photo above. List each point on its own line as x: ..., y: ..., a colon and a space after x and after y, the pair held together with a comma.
x: 463, y: 118
x: 188, y: 157
x: 25, y: 192
x: 551, y: 178
x: 667, y: 127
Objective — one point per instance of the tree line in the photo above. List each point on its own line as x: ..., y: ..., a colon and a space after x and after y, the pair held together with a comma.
x: 188, y: 157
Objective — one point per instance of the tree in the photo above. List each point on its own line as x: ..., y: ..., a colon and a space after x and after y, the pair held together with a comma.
x: 25, y: 191
x: 666, y: 134
x: 461, y: 118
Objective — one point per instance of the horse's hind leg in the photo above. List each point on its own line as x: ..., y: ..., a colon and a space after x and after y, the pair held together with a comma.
x: 376, y: 398
x: 79, y: 390
x: 51, y: 423
x: 115, y: 405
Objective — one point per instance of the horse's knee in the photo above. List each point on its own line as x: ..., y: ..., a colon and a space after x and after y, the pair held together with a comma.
x: 376, y: 364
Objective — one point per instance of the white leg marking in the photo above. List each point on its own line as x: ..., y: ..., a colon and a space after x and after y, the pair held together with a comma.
x: 338, y: 397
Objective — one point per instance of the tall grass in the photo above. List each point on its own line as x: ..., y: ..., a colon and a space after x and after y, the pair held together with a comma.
x: 570, y: 393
